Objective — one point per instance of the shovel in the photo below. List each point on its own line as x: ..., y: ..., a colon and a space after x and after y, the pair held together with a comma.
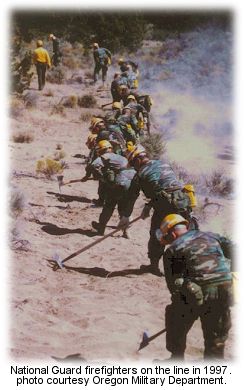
x: 60, y: 263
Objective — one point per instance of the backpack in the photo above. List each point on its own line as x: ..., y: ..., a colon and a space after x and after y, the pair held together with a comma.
x: 124, y: 178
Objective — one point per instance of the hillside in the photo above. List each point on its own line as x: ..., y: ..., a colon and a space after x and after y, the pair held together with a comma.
x: 100, y: 304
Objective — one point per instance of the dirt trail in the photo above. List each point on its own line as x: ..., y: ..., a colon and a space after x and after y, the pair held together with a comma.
x: 100, y: 305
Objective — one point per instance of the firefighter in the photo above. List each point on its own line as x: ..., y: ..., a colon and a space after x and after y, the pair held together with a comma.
x: 119, y: 188
x: 102, y: 59
x: 42, y: 61
x: 167, y: 195
x: 56, y: 50
x: 198, y: 276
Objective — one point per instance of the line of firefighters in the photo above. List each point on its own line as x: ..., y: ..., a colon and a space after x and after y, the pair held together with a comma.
x: 197, y: 264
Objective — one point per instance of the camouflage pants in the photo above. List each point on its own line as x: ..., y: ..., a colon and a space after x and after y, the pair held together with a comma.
x: 97, y: 69
x: 215, y: 320
x: 56, y: 59
x: 111, y: 201
x: 41, y: 72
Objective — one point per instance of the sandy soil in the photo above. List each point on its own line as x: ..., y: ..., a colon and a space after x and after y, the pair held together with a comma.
x: 100, y: 304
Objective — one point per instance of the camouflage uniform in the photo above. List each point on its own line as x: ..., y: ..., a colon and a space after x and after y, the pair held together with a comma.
x: 121, y: 190
x: 200, y: 261
x: 129, y: 127
x: 101, y: 59
x: 159, y: 183
x: 56, y: 52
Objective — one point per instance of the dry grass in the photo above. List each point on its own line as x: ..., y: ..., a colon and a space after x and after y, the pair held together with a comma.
x: 59, y: 155
x: 219, y: 184
x: 17, y: 202
x: 71, y: 62
x: 49, y: 167
x: 87, y: 101
x: 86, y: 116
x: 56, y: 75
x: 23, y: 137
x: 89, y: 75
x: 49, y: 93
x: 58, y: 109
x: 182, y: 174
x: 16, y: 107
x: 30, y: 99
x: 69, y: 101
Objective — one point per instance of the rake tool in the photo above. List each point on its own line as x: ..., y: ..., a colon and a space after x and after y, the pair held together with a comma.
x: 146, y: 339
x: 60, y: 263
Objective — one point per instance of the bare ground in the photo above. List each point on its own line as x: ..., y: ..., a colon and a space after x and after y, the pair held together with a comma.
x: 100, y: 304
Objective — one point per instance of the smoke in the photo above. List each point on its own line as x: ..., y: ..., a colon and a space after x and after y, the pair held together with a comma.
x: 190, y: 80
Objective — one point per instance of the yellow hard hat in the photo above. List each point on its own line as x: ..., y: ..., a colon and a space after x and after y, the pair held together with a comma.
x: 104, y: 144
x: 131, y: 97
x: 116, y: 105
x: 134, y: 151
x: 170, y: 221
x: 39, y: 43
x: 93, y: 119
x: 120, y: 61
x: 95, y: 122
x: 90, y: 140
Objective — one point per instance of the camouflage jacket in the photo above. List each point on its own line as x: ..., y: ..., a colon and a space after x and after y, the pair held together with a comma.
x: 155, y: 176
x: 137, y: 108
x: 101, y: 56
x: 201, y: 257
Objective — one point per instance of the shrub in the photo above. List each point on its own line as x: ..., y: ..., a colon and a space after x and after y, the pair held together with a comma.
x: 49, y: 93
x: 23, y: 138
x: 87, y: 101
x: 58, y: 109
x: 154, y: 145
x: 49, y: 167
x: 71, y: 62
x: 56, y: 75
x: 69, y: 101
x: 86, y: 116
x: 89, y: 75
x: 59, y: 155
x: 219, y: 184
x: 17, y: 202
x: 30, y: 99
x: 182, y: 174
x: 16, y: 107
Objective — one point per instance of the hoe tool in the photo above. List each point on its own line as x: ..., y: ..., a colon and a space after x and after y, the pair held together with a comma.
x: 60, y: 263
x: 146, y: 339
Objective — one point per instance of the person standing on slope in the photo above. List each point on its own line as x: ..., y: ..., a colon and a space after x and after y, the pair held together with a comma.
x: 102, y: 59
x: 197, y: 270
x: 42, y: 61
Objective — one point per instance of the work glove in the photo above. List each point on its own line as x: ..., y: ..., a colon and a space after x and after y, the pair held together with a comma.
x: 210, y: 292
x: 124, y: 223
x: 146, y: 211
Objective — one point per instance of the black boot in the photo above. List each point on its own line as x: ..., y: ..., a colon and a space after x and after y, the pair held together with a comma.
x: 151, y: 268
x: 98, y: 202
x: 98, y: 227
